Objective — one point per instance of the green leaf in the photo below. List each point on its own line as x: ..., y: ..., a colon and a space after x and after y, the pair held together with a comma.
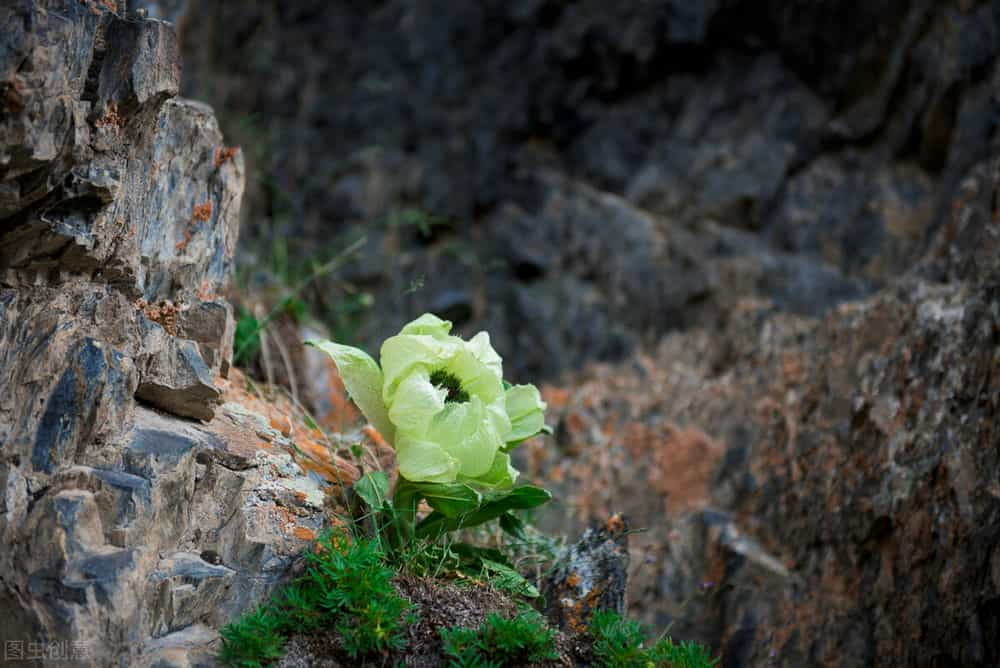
x: 363, y: 380
x: 512, y: 525
x: 435, y: 525
x: 373, y: 488
x: 449, y: 499
x: 506, y: 578
x: 520, y: 498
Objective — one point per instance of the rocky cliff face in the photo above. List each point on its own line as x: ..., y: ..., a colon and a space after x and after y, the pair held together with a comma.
x: 542, y: 168
x: 136, y: 513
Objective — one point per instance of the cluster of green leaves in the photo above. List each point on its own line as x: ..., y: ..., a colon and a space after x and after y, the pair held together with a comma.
x: 500, y: 641
x: 246, y: 340
x: 618, y: 643
x: 423, y: 548
x: 254, y: 639
x: 346, y: 587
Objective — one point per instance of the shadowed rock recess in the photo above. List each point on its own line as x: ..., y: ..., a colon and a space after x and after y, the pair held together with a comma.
x: 136, y: 512
x: 580, y: 177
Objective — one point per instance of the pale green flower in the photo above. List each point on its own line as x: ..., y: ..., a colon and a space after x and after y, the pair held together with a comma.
x: 442, y: 402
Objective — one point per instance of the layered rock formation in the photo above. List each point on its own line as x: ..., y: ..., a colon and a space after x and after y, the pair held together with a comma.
x: 581, y: 177
x: 137, y: 514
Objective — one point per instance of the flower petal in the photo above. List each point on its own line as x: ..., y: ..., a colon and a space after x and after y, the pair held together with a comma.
x: 404, y: 352
x: 476, y: 377
x: 497, y: 413
x: 526, y: 411
x: 501, y: 474
x: 481, y: 348
x: 416, y: 401
x: 428, y: 324
x: 424, y: 461
x: 467, y: 434
x: 363, y: 380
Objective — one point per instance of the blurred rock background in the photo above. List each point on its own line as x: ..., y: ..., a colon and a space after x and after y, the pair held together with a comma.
x: 753, y: 246
x: 582, y: 177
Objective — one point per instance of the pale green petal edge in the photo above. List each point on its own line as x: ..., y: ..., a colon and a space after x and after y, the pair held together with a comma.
x: 526, y: 411
x: 415, y: 403
x: 424, y: 461
x: 428, y: 324
x: 363, y: 380
x: 482, y: 349
x: 501, y: 475
x: 466, y: 432
x: 402, y: 353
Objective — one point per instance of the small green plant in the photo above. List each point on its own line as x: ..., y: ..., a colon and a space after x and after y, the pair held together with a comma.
x: 246, y: 340
x: 617, y: 640
x: 618, y: 643
x: 252, y: 640
x: 682, y: 655
x: 346, y: 587
x: 500, y: 641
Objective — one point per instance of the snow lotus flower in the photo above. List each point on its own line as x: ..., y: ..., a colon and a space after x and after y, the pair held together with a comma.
x: 442, y: 403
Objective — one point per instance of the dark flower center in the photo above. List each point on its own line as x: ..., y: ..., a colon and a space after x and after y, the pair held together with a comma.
x: 443, y: 380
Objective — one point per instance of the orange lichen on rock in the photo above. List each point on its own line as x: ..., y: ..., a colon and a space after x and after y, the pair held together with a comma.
x: 615, y: 524
x: 224, y: 154
x: 309, y: 445
x: 304, y: 533
x: 341, y: 413
x: 684, y: 460
x: 164, y: 313
x: 202, y: 212
x: 320, y: 459
x: 556, y: 397
x: 372, y: 433
x: 282, y: 423
x: 111, y: 118
x: 199, y: 214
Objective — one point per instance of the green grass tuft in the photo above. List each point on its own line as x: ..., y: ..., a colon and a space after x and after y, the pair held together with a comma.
x: 618, y: 643
x: 683, y: 655
x: 501, y: 642
x: 347, y: 587
x: 254, y: 639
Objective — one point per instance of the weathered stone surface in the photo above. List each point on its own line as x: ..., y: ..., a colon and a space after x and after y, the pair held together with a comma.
x: 592, y: 575
x: 140, y: 199
x: 820, y: 490
x: 115, y: 557
x: 129, y: 533
x: 174, y: 376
